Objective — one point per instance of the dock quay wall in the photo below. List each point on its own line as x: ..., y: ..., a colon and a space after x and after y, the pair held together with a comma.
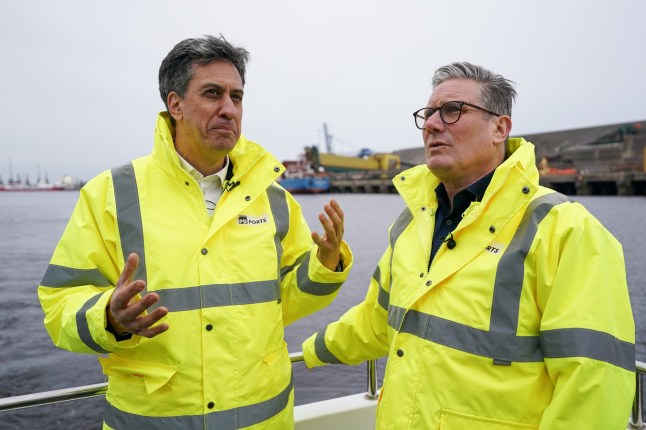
x: 600, y: 183
x: 379, y: 182
x: 602, y: 160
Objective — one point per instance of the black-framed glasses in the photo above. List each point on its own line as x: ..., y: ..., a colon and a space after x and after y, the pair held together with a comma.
x: 450, y: 113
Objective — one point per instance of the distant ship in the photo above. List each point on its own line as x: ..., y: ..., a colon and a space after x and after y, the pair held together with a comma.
x: 316, y: 172
x: 65, y: 183
x: 301, y: 178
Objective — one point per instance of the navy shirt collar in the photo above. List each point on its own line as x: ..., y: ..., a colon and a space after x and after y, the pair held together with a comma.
x: 446, y: 220
x: 461, y: 201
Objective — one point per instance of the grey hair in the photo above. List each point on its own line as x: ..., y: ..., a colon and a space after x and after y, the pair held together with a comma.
x: 496, y: 93
x: 176, y: 70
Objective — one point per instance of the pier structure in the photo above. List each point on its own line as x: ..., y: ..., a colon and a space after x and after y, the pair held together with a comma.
x: 597, y: 183
x: 601, y: 160
x: 363, y: 182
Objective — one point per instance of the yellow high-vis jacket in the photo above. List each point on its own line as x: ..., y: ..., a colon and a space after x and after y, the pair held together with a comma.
x: 524, y: 324
x: 230, y: 283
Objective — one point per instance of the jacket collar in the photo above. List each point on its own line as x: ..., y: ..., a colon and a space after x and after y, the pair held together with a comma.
x: 417, y: 184
x: 246, y: 157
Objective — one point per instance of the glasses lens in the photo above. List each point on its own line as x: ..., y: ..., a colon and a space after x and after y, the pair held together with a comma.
x: 451, y: 112
x: 422, y: 115
x: 419, y: 119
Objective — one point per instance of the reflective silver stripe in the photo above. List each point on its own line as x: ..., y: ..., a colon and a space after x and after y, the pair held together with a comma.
x: 510, y: 272
x: 579, y: 342
x: 83, y: 328
x: 131, y: 229
x: 285, y: 270
x: 61, y: 276
x: 474, y: 341
x: 306, y: 285
x: 501, y: 342
x: 118, y: 419
x: 230, y: 419
x: 280, y: 213
x: 215, y: 295
x: 396, y: 230
x: 395, y: 316
x: 384, y: 296
x: 320, y: 348
x: 400, y: 225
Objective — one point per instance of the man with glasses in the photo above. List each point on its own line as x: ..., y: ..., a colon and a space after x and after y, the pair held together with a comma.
x: 183, y: 267
x: 500, y: 303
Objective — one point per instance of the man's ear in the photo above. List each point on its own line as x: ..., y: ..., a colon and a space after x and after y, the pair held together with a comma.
x: 174, y: 105
x: 503, y: 128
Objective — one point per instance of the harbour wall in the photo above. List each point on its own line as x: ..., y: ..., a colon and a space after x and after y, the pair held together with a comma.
x: 583, y: 184
x: 601, y: 160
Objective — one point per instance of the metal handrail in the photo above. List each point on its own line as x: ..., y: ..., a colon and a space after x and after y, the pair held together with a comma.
x: 372, y: 393
x: 51, y: 397
x: 94, y: 390
x: 76, y: 393
x: 637, y: 415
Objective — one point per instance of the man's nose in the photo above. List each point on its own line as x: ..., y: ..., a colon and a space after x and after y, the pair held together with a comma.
x: 228, y: 108
x: 433, y: 122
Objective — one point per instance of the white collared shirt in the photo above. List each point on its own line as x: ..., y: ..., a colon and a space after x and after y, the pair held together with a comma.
x: 211, y: 185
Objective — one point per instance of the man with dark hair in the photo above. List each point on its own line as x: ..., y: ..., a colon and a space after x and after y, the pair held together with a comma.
x: 184, y: 266
x: 501, y: 304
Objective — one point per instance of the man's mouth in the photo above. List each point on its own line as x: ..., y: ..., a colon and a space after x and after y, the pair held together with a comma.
x: 223, y: 128
x: 436, y: 144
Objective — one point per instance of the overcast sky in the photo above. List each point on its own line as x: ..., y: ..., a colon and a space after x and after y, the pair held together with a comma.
x: 80, y: 88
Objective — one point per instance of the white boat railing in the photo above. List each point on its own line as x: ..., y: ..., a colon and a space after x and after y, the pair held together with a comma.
x: 76, y: 393
x: 95, y: 390
x: 637, y: 413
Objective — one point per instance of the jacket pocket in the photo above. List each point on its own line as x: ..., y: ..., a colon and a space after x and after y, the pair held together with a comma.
x: 450, y: 420
x: 276, y: 360
x: 153, y: 375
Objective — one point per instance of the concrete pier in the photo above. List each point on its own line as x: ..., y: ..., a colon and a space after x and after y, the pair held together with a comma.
x: 362, y: 182
x: 603, y: 160
x: 597, y: 184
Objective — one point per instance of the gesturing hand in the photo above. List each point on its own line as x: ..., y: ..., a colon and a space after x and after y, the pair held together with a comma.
x: 330, y: 244
x: 124, y: 312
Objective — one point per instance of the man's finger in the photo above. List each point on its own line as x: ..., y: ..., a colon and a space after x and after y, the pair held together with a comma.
x: 331, y: 230
x: 124, y: 294
x: 136, y: 308
x: 337, y: 208
x: 152, y: 331
x: 336, y: 215
x: 317, y: 239
x: 145, y: 321
x: 335, y: 219
x: 325, y: 221
x: 132, y: 262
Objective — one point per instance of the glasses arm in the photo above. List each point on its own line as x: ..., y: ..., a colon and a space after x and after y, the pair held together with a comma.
x: 481, y: 108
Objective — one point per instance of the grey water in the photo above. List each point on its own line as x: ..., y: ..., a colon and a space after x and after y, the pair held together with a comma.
x: 32, y: 222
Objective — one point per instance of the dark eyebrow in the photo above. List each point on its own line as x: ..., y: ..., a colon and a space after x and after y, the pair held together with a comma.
x: 221, y: 88
x: 211, y: 85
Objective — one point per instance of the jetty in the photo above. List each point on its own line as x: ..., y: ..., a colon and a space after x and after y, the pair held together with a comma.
x: 600, y: 160
x: 603, y: 160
